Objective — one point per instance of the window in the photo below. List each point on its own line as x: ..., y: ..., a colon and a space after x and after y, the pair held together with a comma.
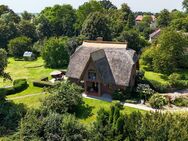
x: 92, y: 75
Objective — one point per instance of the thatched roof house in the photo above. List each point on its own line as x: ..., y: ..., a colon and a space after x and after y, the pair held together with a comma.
x: 103, y: 66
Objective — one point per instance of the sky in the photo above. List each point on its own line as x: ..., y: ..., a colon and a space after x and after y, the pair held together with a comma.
x: 35, y: 6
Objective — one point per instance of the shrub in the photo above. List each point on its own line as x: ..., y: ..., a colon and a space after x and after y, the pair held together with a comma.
x: 66, y: 97
x: 181, y: 101
x: 52, y: 127
x: 157, y: 101
x: 145, y: 91
x: 118, y: 95
x: 43, y: 84
x: 10, y: 115
x: 160, y: 87
x: 177, y: 81
x: 18, y: 86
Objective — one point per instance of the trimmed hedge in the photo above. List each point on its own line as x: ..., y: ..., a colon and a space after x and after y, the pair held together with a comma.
x: 19, y: 85
x: 43, y: 84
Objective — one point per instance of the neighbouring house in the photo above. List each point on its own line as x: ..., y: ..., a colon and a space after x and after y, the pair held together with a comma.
x: 102, y: 67
x: 29, y: 56
x: 153, y: 23
x: 153, y: 36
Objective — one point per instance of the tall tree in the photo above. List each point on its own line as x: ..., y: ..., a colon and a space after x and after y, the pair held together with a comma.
x: 185, y: 5
x: 3, y: 61
x: 55, y: 53
x: 19, y: 45
x: 85, y: 10
x: 125, y: 9
x: 62, y: 19
x: 164, y: 18
x: 96, y: 25
x: 133, y: 38
x: 106, y: 4
x: 26, y: 15
x: 43, y: 27
x: 28, y: 29
x: 170, y: 51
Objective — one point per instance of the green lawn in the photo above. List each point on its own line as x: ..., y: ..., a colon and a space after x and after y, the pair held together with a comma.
x: 31, y: 102
x: 152, y: 76
x: 30, y: 70
x: 88, y: 113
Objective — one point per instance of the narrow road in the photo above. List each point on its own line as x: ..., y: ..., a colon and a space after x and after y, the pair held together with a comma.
x: 25, y: 96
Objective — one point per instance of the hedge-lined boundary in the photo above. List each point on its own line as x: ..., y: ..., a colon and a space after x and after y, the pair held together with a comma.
x: 43, y: 84
x: 19, y: 85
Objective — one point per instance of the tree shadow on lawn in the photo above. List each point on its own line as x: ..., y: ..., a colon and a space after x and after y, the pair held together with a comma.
x: 84, y: 111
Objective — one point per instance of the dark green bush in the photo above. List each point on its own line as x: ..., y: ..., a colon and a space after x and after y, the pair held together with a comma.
x: 118, y: 95
x: 181, y: 101
x: 157, y: 101
x: 10, y: 115
x: 43, y: 84
x: 18, y: 86
x: 159, y: 87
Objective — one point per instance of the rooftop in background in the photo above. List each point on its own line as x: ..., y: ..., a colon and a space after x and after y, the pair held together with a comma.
x: 140, y: 18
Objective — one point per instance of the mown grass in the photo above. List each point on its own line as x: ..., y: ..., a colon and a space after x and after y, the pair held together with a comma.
x: 152, y: 76
x: 33, y: 102
x: 87, y: 114
x: 30, y: 70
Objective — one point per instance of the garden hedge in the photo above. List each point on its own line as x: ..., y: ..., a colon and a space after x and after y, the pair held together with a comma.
x: 19, y: 85
x: 43, y: 84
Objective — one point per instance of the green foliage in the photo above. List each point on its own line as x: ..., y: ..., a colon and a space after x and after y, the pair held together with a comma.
x: 26, y: 16
x: 106, y: 4
x: 96, y: 25
x: 185, y: 5
x: 169, y: 51
x: 147, y: 57
x: 28, y: 29
x: 10, y: 115
x: 145, y: 91
x: 134, y: 40
x: 42, y: 84
x: 3, y: 60
x: 18, y: 86
x: 118, y: 95
x: 181, y: 101
x: 130, y: 21
x: 19, y: 45
x: 52, y: 127
x: 61, y: 18
x: 150, y: 126
x: 164, y: 18
x: 66, y: 98
x: 157, y: 101
x: 86, y: 9
x: 55, y: 53
x: 73, y: 43
x: 8, y: 31
x: 43, y: 27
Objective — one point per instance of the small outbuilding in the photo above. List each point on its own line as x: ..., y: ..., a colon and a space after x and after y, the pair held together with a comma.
x: 28, y: 56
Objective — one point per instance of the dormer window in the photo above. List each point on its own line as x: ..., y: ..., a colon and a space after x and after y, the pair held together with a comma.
x: 92, y: 75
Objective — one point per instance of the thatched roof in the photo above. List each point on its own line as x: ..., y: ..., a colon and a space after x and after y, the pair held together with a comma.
x: 114, y: 61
